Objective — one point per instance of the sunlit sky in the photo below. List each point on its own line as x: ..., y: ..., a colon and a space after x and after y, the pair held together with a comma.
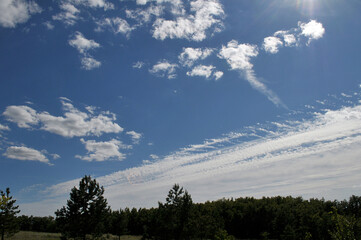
x: 228, y: 98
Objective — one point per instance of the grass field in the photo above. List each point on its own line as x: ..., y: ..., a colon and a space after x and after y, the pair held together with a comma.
x: 24, y: 235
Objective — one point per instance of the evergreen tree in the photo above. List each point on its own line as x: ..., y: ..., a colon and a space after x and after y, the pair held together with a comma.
x: 8, y: 211
x: 175, y: 214
x: 86, y: 211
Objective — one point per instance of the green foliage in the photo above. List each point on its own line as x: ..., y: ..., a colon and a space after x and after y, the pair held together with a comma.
x: 343, y: 226
x: 222, y: 234
x: 173, y: 217
x: 86, y: 211
x: 8, y: 211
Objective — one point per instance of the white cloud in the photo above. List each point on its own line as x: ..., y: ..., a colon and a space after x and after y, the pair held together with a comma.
x: 48, y: 25
x: 25, y: 154
x: 217, y: 75
x: 89, y: 63
x: 239, y: 57
x: 13, y: 12
x: 138, y: 64
x: 272, y: 44
x: 117, y: 25
x: 23, y: 116
x: 312, y: 30
x: 207, y: 16
x: 135, y: 136
x: 201, y: 71
x: 289, y: 38
x: 318, y: 157
x: 164, y: 68
x: 190, y: 55
x: 74, y: 123
x: 69, y: 14
x: 82, y: 44
x: 4, y: 128
x: 99, y: 4
x: 145, y: 16
x: 103, y: 151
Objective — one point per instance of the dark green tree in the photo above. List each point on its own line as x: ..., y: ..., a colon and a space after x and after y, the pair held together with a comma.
x: 175, y: 214
x: 86, y: 211
x: 8, y: 211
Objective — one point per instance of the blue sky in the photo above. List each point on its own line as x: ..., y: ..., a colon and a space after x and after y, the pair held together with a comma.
x: 227, y: 98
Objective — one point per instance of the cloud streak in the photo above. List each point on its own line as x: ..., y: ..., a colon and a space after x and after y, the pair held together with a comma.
x: 314, y: 157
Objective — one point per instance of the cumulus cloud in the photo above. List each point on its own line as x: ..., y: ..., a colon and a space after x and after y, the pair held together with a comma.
x: 103, y: 151
x: 288, y: 38
x: 89, y: 63
x: 25, y: 154
x: 272, y: 44
x: 74, y: 123
x: 190, y: 55
x: 164, y: 69
x: 239, y: 57
x: 23, y: 116
x: 313, y: 30
x: 206, y: 15
x: 217, y: 75
x: 13, y: 12
x: 83, y: 45
x: 135, y: 136
x: 117, y: 25
x: 201, y: 71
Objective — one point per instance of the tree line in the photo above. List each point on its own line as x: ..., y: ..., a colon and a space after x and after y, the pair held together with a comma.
x: 87, y: 214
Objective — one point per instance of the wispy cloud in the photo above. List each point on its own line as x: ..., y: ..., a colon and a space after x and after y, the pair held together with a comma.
x: 69, y: 14
x: 239, y: 57
x: 116, y: 25
x: 135, y: 136
x: 164, y: 69
x: 313, y: 157
x: 13, y: 12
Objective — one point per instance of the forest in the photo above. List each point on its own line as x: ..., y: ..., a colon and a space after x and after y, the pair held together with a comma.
x: 87, y: 214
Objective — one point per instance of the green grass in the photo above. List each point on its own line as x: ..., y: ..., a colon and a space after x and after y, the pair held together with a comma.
x: 25, y: 235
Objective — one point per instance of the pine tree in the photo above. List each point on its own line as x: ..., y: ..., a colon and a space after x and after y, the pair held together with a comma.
x: 86, y: 211
x: 8, y: 211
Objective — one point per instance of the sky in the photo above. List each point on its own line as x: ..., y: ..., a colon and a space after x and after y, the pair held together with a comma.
x: 228, y: 98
